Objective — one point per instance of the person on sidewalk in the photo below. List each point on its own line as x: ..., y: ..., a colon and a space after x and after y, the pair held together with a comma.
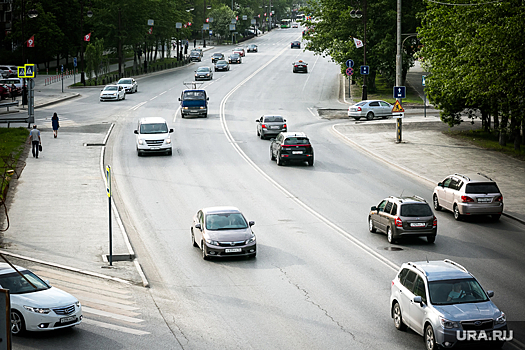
x: 13, y: 92
x: 54, y: 124
x: 194, y: 43
x: 36, y: 141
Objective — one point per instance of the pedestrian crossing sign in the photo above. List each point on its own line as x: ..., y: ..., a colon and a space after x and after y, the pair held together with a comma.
x: 30, y: 70
x: 21, y: 72
x: 397, y: 107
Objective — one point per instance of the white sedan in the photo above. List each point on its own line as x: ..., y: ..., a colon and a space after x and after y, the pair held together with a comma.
x: 35, y: 305
x: 113, y: 92
x: 129, y: 84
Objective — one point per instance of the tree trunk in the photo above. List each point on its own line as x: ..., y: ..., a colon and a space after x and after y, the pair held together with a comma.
x: 484, y: 117
x: 504, y: 123
x: 523, y: 131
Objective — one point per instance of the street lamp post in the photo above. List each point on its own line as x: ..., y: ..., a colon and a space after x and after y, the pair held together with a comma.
x: 89, y: 14
x: 359, y: 14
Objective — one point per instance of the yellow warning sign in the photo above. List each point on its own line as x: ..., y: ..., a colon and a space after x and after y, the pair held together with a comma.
x: 397, y: 107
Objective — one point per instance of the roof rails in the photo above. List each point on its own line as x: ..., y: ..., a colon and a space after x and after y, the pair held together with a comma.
x: 418, y: 197
x: 448, y: 261
x: 192, y: 84
x: 418, y: 268
x: 463, y: 176
x: 485, y: 176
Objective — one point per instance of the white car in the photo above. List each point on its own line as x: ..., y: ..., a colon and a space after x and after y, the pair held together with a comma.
x: 35, y: 305
x: 153, y: 136
x: 113, y: 92
x: 129, y: 84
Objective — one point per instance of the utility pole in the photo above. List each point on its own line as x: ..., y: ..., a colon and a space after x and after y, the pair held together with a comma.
x: 399, y: 68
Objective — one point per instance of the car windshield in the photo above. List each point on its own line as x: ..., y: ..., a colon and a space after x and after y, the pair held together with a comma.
x: 19, y: 285
x: 217, y: 54
x: 296, y: 141
x: 415, y: 210
x: 235, y: 55
x: 154, y: 128
x: 270, y: 119
x: 193, y: 95
x: 195, y: 53
x: 124, y: 81
x: 225, y: 221
x: 481, y: 187
x: 221, y: 62
x: 203, y: 69
x: 457, y: 291
x: 110, y: 88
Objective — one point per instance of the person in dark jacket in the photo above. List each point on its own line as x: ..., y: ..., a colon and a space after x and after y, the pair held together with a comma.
x: 55, y: 125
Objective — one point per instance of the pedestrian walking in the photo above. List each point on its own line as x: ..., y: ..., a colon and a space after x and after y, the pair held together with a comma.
x: 36, y: 141
x: 55, y: 125
x: 194, y: 43
x: 13, y: 91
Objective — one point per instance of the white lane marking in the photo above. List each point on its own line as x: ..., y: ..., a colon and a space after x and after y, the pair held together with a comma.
x: 306, y: 82
x: 162, y: 93
x: 176, y: 113
x: 310, y: 210
x: 115, y: 316
x: 154, y: 97
x: 114, y: 327
x: 311, y: 112
x: 134, y: 108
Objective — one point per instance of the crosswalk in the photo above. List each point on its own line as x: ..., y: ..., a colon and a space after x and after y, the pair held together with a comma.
x: 64, y: 122
x: 106, y: 304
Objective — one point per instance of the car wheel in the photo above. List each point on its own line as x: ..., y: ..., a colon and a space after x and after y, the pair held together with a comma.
x: 170, y: 152
x: 457, y: 215
x: 279, y: 160
x: 272, y: 157
x: 357, y: 118
x: 311, y: 162
x: 431, y: 239
x: 371, y: 227
x: 204, y: 255
x: 258, y: 133
x: 206, y: 115
x: 193, y: 238
x: 398, y: 318
x: 430, y: 339
x: 437, y: 207
x: 306, y: 70
x: 495, y: 217
x: 369, y: 116
x: 139, y: 153
x: 261, y: 135
x: 124, y: 97
x: 18, y: 325
x: 390, y: 236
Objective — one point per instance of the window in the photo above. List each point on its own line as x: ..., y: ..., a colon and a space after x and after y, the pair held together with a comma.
x: 271, y: 118
x: 388, y: 207
x: 296, y: 141
x: 471, y: 292
x: 394, y: 209
x: 384, y: 104
x: 415, y: 209
x: 409, y: 280
x: 446, y: 183
x: 402, y: 275
x: 420, y: 290
x: 382, y: 205
x: 374, y: 104
x: 225, y: 221
x: 193, y: 95
x: 154, y: 128
x: 482, y: 188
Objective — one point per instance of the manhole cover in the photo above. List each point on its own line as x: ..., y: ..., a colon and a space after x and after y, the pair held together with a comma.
x: 393, y: 249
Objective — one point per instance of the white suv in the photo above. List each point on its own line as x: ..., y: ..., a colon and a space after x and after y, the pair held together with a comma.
x: 153, y: 136
x: 444, y: 303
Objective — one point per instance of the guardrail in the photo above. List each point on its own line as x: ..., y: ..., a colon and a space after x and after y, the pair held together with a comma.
x: 10, y: 104
x: 15, y: 119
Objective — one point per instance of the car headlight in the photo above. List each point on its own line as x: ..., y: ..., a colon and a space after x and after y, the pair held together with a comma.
x: 185, y: 107
x: 141, y: 142
x: 447, y: 323
x: 212, y: 242
x: 38, y: 310
x: 207, y: 74
x: 77, y: 304
x: 168, y: 141
x: 251, y: 240
x: 202, y: 107
x: 502, y: 319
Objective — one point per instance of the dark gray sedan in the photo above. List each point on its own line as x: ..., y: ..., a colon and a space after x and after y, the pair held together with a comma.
x: 270, y: 125
x: 203, y: 73
x: 222, y: 65
x: 223, y: 232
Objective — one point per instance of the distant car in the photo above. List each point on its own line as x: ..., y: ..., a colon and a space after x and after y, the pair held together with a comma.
x: 470, y: 194
x: 300, y: 66
x: 199, y: 50
x: 295, y: 25
x: 370, y: 109
x: 403, y: 216
x: 296, y: 44
x: 11, y: 70
x: 222, y: 65
x: 129, y: 84
x: 203, y: 73
x: 195, y: 56
x: 269, y: 125
x: 223, y: 232
x: 252, y: 48
x: 216, y: 57
x: 4, y: 92
x: 4, y: 74
x: 240, y: 51
x: 113, y: 92
x: 292, y: 147
x: 35, y: 305
x: 235, y: 58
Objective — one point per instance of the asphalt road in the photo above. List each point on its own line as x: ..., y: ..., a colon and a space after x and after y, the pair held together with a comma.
x: 320, y: 279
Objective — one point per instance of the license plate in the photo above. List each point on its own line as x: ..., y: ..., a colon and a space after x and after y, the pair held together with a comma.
x: 155, y: 147
x: 274, y: 127
x: 233, y: 250
x: 67, y: 319
x: 417, y: 224
x: 483, y: 200
x: 297, y: 152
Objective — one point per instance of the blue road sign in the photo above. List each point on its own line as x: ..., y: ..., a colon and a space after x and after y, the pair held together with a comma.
x: 365, y: 70
x: 350, y: 63
x: 74, y: 61
x: 349, y: 71
x: 423, y: 80
x: 399, y: 92
x: 62, y: 68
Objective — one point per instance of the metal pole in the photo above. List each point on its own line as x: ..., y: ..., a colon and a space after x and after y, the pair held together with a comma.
x: 82, y: 74
x: 110, y: 236
x: 399, y: 67
x: 364, y: 96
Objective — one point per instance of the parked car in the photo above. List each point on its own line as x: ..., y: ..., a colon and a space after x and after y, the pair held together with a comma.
x: 113, y: 92
x: 129, y: 84
x: 466, y: 195
x: 217, y: 56
x: 291, y: 147
x: 4, y: 74
x: 4, y: 92
x: 370, y: 109
x: 268, y: 125
x: 153, y: 136
x: 223, y: 232
x: 296, y: 44
x: 403, y: 216
x: 252, y: 48
x: 203, y: 73
x: 11, y: 70
x: 442, y: 301
x: 300, y: 66
x: 222, y: 65
x: 235, y: 58
x: 35, y: 304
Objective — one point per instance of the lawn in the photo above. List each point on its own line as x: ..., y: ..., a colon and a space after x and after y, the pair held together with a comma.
x: 385, y: 93
x: 12, y: 142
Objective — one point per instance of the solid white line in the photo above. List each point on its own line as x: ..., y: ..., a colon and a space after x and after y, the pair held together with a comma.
x: 114, y: 327
x: 326, y: 221
x: 176, y: 113
x: 311, y: 112
x: 115, y: 316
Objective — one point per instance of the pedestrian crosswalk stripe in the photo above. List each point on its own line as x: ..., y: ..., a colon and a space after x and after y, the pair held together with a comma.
x: 115, y: 316
x: 114, y: 327
x: 110, y: 309
x: 113, y: 302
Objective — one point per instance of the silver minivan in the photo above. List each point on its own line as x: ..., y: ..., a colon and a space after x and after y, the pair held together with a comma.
x: 153, y: 136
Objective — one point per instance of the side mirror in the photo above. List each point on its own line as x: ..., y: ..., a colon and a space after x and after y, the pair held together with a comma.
x: 207, y: 98
x: 198, y: 226
x: 251, y: 223
x: 285, y: 120
x: 490, y: 293
x: 257, y: 120
x: 179, y: 98
x: 440, y: 184
x: 136, y: 132
x: 418, y: 299
x: 374, y: 208
x: 171, y: 130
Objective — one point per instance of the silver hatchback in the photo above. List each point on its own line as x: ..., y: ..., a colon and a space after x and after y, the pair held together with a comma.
x: 471, y: 194
x: 270, y: 125
x: 370, y: 109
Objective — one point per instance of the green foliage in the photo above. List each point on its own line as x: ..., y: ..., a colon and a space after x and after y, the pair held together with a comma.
x: 12, y: 141
x: 222, y: 17
x: 94, y: 57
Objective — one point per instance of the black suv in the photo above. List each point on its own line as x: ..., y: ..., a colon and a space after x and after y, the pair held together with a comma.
x: 292, y: 147
x: 403, y: 216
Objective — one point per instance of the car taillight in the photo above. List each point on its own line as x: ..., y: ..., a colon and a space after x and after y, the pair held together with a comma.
x: 435, y: 222
x: 359, y: 109
x: 296, y: 66
x: 392, y: 283
x: 466, y: 199
x: 263, y: 126
x: 284, y: 126
x: 499, y: 199
x: 398, y: 222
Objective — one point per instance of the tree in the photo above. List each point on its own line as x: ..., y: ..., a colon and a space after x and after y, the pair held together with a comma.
x: 222, y: 17
x: 94, y: 56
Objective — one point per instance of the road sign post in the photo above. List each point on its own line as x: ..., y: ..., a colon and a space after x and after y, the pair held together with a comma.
x: 423, y: 77
x: 398, y: 109
x: 108, y: 191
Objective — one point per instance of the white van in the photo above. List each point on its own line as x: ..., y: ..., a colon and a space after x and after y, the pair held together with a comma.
x: 153, y: 135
